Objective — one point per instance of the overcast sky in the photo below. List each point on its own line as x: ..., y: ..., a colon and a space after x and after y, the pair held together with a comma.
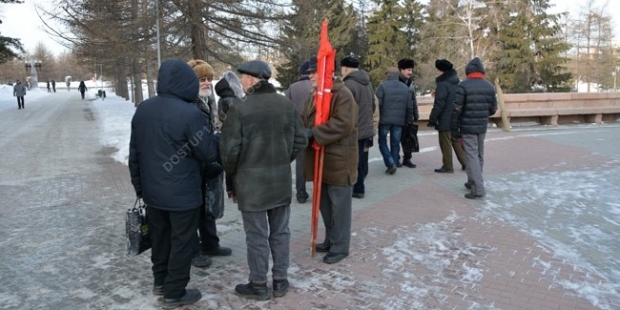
x: 21, y: 21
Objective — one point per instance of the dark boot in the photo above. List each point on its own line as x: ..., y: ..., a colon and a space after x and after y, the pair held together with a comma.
x: 321, y: 247
x: 408, y: 163
x: 201, y: 261
x: 280, y: 287
x: 191, y: 296
x: 253, y: 291
x: 220, y: 251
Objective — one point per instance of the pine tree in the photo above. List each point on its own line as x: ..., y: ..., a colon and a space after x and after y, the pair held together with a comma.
x: 9, y: 47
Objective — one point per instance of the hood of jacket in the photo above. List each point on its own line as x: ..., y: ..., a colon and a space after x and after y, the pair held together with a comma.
x: 474, y: 65
x: 449, y: 76
x: 359, y: 76
x: 229, y: 86
x: 176, y: 78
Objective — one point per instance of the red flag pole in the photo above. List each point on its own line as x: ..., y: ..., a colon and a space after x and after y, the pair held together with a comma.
x: 322, y: 98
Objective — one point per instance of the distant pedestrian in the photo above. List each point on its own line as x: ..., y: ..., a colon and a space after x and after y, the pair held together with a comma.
x: 49, y: 89
x: 395, y: 111
x: 82, y: 89
x: 298, y: 93
x: 19, y: 91
x: 475, y: 101
x: 54, y: 85
x: 68, y: 85
x: 260, y: 139
x: 405, y: 66
x: 167, y: 145
x: 441, y: 115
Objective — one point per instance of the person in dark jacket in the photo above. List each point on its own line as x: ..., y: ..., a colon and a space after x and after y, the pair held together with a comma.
x: 169, y: 140
x: 358, y: 82
x: 49, y: 90
x: 339, y: 138
x: 19, y: 91
x: 230, y: 91
x: 54, y: 85
x: 395, y: 110
x: 209, y: 244
x: 82, y: 89
x: 475, y: 101
x: 405, y: 66
x: 260, y: 139
x: 441, y: 115
x: 298, y: 93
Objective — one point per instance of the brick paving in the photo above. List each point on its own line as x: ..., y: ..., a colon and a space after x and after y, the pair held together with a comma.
x: 417, y: 243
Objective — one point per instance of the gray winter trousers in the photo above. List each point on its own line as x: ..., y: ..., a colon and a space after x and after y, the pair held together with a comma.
x: 474, y: 150
x: 336, y: 212
x: 265, y: 231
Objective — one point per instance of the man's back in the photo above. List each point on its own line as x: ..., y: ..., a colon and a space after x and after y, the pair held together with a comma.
x: 358, y: 82
x: 298, y: 92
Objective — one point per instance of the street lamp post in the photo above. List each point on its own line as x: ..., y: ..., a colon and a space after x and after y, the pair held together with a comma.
x: 33, y: 65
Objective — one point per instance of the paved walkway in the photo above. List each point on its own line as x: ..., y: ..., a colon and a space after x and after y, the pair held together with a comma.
x: 545, y: 237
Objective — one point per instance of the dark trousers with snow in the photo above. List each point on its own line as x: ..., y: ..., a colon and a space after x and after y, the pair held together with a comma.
x: 20, y: 102
x: 207, y: 230
x: 173, y: 235
x: 336, y: 211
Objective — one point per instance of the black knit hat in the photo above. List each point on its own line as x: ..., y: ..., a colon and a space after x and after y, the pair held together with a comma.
x: 406, y: 63
x: 443, y: 65
x: 350, y: 62
x: 312, y: 64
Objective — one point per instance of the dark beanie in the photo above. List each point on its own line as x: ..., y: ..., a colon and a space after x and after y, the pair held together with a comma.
x: 304, y: 67
x: 350, y: 62
x: 405, y: 63
x: 443, y: 65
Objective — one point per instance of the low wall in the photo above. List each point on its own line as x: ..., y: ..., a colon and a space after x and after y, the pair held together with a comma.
x: 548, y: 108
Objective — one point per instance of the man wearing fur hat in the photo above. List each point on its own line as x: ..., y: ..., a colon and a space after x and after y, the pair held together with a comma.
x: 358, y: 82
x: 260, y: 139
x: 298, y: 92
x: 405, y: 66
x: 441, y: 115
x: 475, y: 101
x: 209, y: 241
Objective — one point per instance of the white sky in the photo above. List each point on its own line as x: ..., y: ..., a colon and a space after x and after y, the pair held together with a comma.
x: 21, y: 21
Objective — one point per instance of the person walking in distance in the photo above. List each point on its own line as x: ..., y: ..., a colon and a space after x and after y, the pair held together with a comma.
x: 475, y: 101
x: 298, y: 93
x: 19, y: 91
x: 54, y: 85
x: 260, y: 140
x: 68, y: 85
x: 441, y: 115
x: 82, y: 89
x: 49, y: 90
x: 168, y: 143
x: 405, y: 66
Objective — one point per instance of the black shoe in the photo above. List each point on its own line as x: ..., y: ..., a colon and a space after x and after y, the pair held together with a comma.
x: 468, y: 185
x: 220, y: 251
x: 408, y: 163
x: 158, y: 290
x: 332, y: 258
x: 191, y: 296
x: 358, y: 195
x: 321, y: 247
x: 391, y: 169
x: 253, y: 291
x: 201, y: 261
x: 302, y: 198
x: 473, y: 196
x: 399, y: 165
x: 280, y: 287
x: 444, y: 170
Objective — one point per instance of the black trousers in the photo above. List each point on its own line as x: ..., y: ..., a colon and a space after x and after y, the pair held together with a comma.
x: 20, y: 102
x: 362, y: 167
x: 207, y: 231
x: 82, y: 93
x: 173, y: 236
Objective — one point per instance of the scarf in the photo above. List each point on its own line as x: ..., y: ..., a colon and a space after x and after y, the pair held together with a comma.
x: 475, y: 75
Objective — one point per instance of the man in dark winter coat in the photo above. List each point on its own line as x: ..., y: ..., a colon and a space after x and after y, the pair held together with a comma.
x: 209, y: 244
x: 339, y: 137
x: 405, y: 66
x: 260, y: 139
x: 19, y: 91
x: 395, y: 110
x: 475, y: 101
x: 358, y: 82
x: 441, y: 115
x: 169, y: 140
x: 298, y: 93
x: 82, y: 89
x: 54, y: 85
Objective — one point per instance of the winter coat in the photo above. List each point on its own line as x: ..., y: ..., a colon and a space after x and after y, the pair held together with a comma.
x: 19, y: 90
x: 208, y: 170
x: 230, y: 91
x: 441, y: 114
x: 299, y: 92
x: 412, y: 91
x: 395, y: 106
x: 82, y: 87
x: 169, y: 140
x: 359, y: 84
x: 338, y: 135
x: 260, y: 139
x: 475, y: 101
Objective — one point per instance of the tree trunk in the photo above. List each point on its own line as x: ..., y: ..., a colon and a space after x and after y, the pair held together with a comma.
x: 149, y: 78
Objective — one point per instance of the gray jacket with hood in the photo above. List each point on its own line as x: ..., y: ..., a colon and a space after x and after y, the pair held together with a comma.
x: 358, y: 82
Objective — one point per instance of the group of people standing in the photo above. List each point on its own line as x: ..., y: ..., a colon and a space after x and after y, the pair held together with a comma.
x: 179, y: 142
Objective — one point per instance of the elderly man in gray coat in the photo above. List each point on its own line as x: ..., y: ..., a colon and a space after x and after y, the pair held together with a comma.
x: 19, y: 91
x: 260, y: 138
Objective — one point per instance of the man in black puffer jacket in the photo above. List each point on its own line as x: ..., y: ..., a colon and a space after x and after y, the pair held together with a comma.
x: 169, y: 140
x: 441, y: 115
x: 475, y: 101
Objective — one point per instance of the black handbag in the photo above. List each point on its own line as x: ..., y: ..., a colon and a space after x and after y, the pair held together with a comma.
x: 137, y: 229
x: 214, y: 198
x: 410, y: 138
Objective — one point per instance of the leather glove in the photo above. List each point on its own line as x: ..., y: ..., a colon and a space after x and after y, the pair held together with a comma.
x: 309, y: 134
x: 212, y: 170
x: 430, y: 124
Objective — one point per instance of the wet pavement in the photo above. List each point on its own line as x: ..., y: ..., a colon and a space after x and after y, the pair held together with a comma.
x: 545, y: 237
